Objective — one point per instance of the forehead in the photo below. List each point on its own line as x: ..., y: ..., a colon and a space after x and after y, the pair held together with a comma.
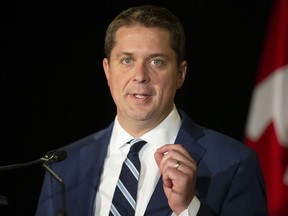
x: 136, y: 37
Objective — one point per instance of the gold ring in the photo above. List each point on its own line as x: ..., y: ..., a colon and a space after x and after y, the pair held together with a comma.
x: 177, y: 164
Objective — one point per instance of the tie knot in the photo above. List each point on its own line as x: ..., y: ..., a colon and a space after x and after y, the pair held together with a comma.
x: 136, y: 145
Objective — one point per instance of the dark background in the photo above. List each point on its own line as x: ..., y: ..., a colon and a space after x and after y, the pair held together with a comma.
x: 53, y: 88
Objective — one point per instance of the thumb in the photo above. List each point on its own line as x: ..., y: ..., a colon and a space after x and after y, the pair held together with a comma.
x: 158, y: 157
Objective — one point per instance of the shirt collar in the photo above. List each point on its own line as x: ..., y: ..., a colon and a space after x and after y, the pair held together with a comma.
x: 162, y: 134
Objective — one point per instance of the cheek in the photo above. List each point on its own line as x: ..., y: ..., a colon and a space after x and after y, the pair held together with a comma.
x: 114, y: 85
x: 170, y: 82
x: 169, y: 88
x: 165, y: 89
x: 117, y: 84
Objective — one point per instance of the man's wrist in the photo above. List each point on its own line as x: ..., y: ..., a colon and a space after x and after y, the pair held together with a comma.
x: 192, y: 209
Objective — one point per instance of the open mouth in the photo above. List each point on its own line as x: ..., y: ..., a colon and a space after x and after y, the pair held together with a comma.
x: 140, y: 96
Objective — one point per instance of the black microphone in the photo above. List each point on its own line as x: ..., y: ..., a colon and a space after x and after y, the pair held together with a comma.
x: 50, y: 157
x: 56, y: 156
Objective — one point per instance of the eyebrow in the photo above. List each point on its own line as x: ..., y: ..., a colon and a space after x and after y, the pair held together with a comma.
x: 149, y: 56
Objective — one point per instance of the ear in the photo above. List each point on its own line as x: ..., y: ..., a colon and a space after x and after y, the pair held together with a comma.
x: 181, y: 74
x: 106, y: 69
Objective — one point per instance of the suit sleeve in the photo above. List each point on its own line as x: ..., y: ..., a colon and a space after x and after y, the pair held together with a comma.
x: 246, y: 193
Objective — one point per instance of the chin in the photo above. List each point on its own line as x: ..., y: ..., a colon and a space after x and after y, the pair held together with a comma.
x: 140, y: 116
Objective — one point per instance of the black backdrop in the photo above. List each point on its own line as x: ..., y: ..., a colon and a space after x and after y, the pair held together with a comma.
x: 53, y: 89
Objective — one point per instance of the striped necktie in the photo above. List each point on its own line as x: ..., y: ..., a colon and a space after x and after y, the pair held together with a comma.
x: 125, y: 195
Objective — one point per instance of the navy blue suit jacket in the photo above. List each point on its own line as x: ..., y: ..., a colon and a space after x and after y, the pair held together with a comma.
x: 229, y: 179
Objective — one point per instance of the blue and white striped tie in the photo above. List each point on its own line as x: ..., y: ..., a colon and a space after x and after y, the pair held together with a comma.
x: 125, y: 195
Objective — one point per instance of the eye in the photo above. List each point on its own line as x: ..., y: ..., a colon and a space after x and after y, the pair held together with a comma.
x: 157, y: 62
x: 127, y: 61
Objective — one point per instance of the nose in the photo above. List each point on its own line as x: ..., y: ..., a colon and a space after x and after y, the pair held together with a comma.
x: 141, y: 74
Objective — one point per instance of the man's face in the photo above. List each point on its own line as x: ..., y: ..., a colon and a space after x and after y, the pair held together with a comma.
x: 143, y: 75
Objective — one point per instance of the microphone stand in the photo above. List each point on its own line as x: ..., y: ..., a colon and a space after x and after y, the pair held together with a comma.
x: 16, y: 166
x: 62, y: 210
x: 50, y: 157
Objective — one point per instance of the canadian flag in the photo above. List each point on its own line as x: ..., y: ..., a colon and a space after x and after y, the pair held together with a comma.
x: 267, y: 124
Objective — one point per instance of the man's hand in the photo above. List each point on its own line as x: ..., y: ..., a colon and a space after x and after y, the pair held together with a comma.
x: 178, y: 172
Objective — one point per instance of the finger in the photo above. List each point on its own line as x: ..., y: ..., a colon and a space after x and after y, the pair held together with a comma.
x: 178, y: 166
x: 173, y: 177
x: 158, y: 157
x: 167, y: 183
x: 171, y: 159
x: 176, y: 147
x: 161, y: 160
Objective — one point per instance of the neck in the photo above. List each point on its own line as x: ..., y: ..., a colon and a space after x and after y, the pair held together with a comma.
x: 138, y: 128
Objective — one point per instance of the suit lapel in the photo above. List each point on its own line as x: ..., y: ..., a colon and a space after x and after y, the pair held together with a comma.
x: 158, y: 204
x: 187, y: 136
x: 90, y: 168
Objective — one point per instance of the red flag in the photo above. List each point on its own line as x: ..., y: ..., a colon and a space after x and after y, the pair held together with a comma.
x: 267, y: 125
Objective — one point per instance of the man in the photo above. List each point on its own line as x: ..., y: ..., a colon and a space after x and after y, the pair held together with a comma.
x: 186, y: 169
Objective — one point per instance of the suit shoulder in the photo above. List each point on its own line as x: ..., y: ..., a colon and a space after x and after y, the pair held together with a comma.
x: 216, y: 139
x: 89, y: 139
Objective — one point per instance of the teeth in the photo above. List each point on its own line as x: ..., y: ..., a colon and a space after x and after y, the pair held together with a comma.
x: 139, y: 96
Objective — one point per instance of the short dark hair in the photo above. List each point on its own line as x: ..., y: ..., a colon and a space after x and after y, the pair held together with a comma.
x: 149, y: 16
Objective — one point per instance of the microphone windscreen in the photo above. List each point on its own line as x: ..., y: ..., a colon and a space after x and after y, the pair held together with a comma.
x: 58, y: 155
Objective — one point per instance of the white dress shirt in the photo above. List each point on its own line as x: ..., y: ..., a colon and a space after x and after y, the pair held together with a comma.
x: 164, y: 133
